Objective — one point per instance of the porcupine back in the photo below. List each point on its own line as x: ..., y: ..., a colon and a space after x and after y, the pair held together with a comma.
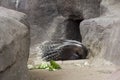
x: 53, y: 50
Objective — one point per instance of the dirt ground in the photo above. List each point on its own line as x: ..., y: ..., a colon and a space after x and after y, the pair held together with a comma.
x: 73, y: 71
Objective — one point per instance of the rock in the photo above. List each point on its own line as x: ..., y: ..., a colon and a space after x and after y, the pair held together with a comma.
x: 13, y: 14
x: 101, y: 35
x: 43, y: 17
x: 43, y: 13
x: 8, y: 3
x: 66, y: 29
x: 114, y: 76
x: 79, y: 9
x: 53, y: 19
x: 14, y: 46
x: 14, y: 4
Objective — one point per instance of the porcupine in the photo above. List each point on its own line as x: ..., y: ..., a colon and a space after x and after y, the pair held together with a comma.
x: 63, y: 50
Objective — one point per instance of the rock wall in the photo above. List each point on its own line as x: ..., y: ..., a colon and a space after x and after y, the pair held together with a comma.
x: 14, y: 4
x: 101, y: 35
x: 51, y: 19
x: 44, y: 15
x: 14, y: 45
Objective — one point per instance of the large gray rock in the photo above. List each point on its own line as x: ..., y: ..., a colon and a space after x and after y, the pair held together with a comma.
x: 12, y: 14
x: 14, y: 46
x: 43, y: 16
x: 79, y: 9
x: 114, y: 76
x: 43, y: 13
x: 101, y: 35
x: 53, y: 19
x: 14, y: 4
x: 8, y: 3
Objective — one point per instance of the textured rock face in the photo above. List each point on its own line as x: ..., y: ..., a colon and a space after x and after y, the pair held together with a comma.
x: 44, y: 13
x: 14, y: 4
x: 114, y: 76
x: 8, y: 3
x: 52, y: 19
x: 77, y: 9
x: 44, y: 17
x: 101, y: 35
x: 41, y: 15
x: 14, y: 46
x: 66, y: 29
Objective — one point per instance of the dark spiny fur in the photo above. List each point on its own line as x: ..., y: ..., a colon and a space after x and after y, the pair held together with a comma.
x: 63, y: 50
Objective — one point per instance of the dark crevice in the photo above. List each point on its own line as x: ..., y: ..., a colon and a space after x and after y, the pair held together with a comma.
x: 73, y: 30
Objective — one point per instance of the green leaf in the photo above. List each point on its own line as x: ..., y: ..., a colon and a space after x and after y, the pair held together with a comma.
x: 55, y: 65
x: 51, y: 68
x: 43, y: 66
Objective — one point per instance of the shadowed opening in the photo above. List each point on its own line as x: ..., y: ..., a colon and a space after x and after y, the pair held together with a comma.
x: 73, y: 30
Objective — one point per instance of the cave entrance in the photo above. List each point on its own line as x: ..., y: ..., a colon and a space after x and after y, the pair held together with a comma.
x: 73, y: 30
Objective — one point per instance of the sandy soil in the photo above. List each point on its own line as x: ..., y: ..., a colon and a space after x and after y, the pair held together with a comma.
x: 72, y: 71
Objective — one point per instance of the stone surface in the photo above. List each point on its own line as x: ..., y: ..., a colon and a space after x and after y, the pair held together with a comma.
x: 101, y: 35
x: 14, y: 4
x: 51, y: 19
x: 114, y: 76
x: 8, y: 3
x: 44, y: 13
x: 12, y: 14
x: 60, y: 28
x: 46, y: 21
x: 79, y: 9
x: 14, y: 46
x: 67, y: 29
x: 41, y: 15
x: 73, y: 70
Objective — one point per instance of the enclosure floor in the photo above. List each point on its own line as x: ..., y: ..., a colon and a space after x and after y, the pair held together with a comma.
x: 73, y: 72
